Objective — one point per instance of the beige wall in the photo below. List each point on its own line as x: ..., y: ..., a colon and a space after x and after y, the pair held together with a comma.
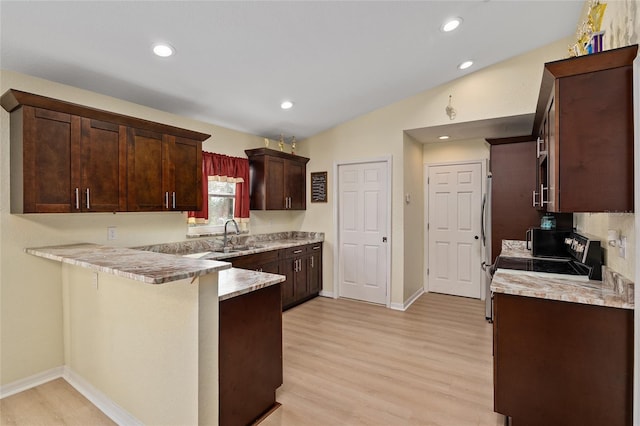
x: 413, y: 218
x: 30, y: 288
x: 467, y: 150
x: 505, y: 89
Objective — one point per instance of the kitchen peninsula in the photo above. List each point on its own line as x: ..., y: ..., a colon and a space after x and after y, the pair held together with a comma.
x: 141, y: 329
x: 563, y: 348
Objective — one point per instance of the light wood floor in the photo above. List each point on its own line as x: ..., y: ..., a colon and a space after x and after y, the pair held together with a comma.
x: 347, y: 363
x: 52, y: 403
x: 351, y: 363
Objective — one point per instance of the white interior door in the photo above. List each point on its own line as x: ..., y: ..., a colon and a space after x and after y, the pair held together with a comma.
x: 454, y: 228
x: 362, y: 225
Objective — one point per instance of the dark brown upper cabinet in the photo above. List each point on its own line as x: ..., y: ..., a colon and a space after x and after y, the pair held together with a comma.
x: 162, y: 172
x: 69, y: 158
x: 584, y: 120
x: 278, y: 180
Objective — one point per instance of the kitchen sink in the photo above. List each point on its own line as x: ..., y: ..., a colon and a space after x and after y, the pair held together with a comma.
x: 237, y: 248
x: 197, y: 255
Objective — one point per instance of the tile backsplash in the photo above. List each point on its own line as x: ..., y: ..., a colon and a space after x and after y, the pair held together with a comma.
x: 597, y: 224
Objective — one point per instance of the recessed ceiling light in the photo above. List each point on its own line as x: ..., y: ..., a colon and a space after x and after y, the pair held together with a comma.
x: 163, y: 50
x: 286, y: 105
x: 451, y: 24
x: 465, y: 65
x: 443, y: 137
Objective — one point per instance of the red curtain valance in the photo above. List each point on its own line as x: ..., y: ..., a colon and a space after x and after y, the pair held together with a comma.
x: 224, y: 166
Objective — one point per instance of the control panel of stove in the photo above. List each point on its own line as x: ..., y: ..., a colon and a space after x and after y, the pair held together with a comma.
x: 585, y: 249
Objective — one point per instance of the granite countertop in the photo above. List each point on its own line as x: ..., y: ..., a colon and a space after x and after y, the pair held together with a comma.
x: 613, y: 291
x: 211, y: 248
x: 236, y: 282
x: 137, y: 265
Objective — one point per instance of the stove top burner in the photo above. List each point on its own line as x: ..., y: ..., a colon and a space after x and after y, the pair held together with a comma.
x: 550, y: 266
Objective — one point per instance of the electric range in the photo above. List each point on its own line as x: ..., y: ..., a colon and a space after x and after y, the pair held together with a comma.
x: 582, y: 260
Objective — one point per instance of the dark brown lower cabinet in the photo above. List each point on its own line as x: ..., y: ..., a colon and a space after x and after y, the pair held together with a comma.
x: 250, y: 355
x: 301, y: 265
x: 562, y: 363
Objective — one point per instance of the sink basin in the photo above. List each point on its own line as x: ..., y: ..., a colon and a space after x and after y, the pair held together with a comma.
x: 236, y: 249
x: 197, y: 255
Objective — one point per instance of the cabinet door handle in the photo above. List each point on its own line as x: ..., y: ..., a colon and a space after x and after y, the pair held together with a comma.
x: 538, y: 147
x: 542, y: 201
x: 77, y: 198
x: 88, y: 202
x: 173, y: 195
x: 166, y: 200
x: 312, y: 261
x: 535, y: 204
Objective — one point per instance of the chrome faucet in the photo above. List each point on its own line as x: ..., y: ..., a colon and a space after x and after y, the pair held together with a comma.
x: 224, y: 242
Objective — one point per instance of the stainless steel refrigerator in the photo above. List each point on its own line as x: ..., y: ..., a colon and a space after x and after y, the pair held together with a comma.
x: 486, y: 248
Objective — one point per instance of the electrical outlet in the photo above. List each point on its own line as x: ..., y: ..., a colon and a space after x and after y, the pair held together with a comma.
x: 94, y: 280
x: 111, y: 233
x: 622, y: 249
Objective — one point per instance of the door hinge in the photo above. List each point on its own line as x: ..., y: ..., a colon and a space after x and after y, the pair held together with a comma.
x: 427, y: 271
x: 427, y: 226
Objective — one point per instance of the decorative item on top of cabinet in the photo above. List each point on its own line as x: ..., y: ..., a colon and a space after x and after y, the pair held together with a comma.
x: 278, y: 180
x: 69, y: 158
x: 584, y: 119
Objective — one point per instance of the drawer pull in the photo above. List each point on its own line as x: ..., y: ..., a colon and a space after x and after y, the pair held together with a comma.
x: 297, y: 252
x: 316, y: 248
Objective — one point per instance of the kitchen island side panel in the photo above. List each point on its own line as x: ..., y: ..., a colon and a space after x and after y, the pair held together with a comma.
x: 139, y: 344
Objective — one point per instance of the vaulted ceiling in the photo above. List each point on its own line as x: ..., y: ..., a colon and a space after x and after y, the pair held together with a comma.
x: 236, y: 61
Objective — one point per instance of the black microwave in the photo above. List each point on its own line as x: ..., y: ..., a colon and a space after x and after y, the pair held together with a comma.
x: 548, y: 242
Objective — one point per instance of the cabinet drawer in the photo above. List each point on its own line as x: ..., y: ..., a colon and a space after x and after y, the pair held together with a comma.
x: 295, y: 251
x: 251, y: 261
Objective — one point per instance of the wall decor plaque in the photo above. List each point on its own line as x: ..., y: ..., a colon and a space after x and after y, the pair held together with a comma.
x: 318, y: 187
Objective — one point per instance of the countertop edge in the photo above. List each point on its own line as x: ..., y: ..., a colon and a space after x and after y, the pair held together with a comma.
x: 235, y: 282
x: 557, y: 289
x: 149, y: 268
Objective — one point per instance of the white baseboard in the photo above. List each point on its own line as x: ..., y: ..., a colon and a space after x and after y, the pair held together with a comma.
x: 31, y: 382
x: 404, y: 306
x: 97, y: 398
x: 327, y: 294
x: 100, y: 400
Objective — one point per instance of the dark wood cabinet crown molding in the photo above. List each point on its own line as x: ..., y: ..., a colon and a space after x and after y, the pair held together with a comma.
x: 274, y: 153
x: 12, y: 99
x: 602, y: 61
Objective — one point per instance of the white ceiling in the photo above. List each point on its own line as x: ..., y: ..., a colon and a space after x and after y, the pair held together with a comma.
x: 237, y: 60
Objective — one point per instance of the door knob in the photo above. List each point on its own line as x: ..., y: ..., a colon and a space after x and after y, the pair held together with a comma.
x: 475, y: 237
